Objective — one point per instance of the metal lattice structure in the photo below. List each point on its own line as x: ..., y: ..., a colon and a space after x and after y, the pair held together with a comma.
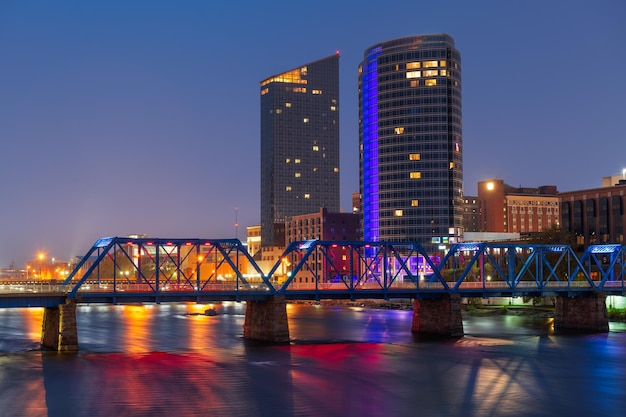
x: 223, y: 269
x: 182, y: 269
x: 117, y: 270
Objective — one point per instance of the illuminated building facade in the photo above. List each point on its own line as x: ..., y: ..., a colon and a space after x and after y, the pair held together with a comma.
x: 299, y: 145
x: 410, y: 132
x: 524, y: 210
x: 328, y: 226
x: 323, y: 225
x: 254, y: 239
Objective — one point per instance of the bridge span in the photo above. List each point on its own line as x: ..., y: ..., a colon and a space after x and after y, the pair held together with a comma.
x: 126, y: 270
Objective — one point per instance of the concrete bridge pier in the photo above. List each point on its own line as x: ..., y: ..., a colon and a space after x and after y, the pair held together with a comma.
x: 58, y: 331
x: 267, y: 320
x: 584, y: 313
x: 438, y: 316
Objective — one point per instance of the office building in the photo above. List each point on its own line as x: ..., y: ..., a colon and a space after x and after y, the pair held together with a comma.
x: 327, y: 226
x: 299, y: 145
x: 523, y: 210
x: 411, y: 144
x: 323, y: 225
x: 471, y: 214
x: 597, y: 215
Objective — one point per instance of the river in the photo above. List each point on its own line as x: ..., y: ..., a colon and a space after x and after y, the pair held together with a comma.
x: 171, y: 360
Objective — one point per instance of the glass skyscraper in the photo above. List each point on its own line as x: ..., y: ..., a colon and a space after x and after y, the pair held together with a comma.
x: 411, y: 142
x: 299, y: 145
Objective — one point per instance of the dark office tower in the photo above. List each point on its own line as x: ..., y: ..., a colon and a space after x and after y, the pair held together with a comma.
x: 411, y: 167
x: 299, y: 145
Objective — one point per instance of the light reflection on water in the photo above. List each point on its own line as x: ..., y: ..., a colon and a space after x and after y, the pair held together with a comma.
x: 174, y: 360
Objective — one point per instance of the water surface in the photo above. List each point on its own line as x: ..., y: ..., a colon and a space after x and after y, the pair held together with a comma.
x: 168, y: 360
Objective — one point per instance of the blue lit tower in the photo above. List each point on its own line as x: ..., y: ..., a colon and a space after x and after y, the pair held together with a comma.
x: 299, y: 145
x: 410, y: 134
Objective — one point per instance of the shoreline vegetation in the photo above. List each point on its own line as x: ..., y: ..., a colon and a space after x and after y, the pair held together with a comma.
x: 468, y: 309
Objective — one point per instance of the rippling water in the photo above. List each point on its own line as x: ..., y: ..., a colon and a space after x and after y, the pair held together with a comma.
x: 167, y: 360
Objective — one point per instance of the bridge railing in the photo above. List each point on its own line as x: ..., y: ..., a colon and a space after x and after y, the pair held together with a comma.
x: 34, y: 288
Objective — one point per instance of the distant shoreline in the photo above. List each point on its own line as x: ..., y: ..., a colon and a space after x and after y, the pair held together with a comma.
x: 617, y: 315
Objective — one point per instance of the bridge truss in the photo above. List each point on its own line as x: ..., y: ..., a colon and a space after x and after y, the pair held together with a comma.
x: 153, y: 270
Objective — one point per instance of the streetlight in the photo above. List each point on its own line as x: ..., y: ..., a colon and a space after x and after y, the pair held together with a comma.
x: 41, y: 256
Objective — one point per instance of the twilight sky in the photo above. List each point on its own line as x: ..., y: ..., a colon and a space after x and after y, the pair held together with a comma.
x: 142, y: 116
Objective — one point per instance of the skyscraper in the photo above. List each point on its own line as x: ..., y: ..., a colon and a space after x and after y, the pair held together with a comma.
x: 299, y: 145
x: 410, y: 133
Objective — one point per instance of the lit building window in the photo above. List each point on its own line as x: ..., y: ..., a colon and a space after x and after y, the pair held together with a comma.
x: 335, y: 169
x: 442, y: 63
x: 296, y: 161
x: 316, y: 148
x: 451, y: 165
x: 265, y: 91
x: 413, y: 65
x: 398, y: 213
x: 413, y: 74
x: 443, y: 73
x: 306, y: 120
x: 398, y: 130
x: 316, y: 91
x: 415, y: 156
x: 333, y: 108
x: 288, y: 188
x: 431, y: 82
x: 431, y: 73
x: 414, y: 203
x: 288, y: 160
x: 315, y: 169
x: 415, y: 83
x: 287, y: 104
x: 291, y: 77
x: 297, y: 175
x: 279, y: 111
x: 415, y: 175
x: 307, y: 196
x: 430, y: 64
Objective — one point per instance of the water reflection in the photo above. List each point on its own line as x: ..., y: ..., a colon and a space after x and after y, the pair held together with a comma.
x: 136, y: 324
x: 22, y: 392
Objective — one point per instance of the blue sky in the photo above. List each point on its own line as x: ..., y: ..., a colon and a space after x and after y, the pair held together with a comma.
x: 121, y: 117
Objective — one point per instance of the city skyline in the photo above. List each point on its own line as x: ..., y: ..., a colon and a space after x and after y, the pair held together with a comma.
x: 120, y: 119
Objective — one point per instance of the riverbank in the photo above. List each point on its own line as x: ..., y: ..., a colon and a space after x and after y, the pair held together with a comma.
x: 473, y: 310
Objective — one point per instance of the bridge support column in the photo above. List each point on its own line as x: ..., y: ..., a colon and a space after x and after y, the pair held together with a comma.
x: 584, y: 313
x: 58, y: 331
x: 267, y: 320
x: 439, y: 316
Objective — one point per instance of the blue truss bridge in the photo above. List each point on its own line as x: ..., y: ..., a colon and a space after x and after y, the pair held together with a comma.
x: 119, y: 270
x: 126, y: 270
